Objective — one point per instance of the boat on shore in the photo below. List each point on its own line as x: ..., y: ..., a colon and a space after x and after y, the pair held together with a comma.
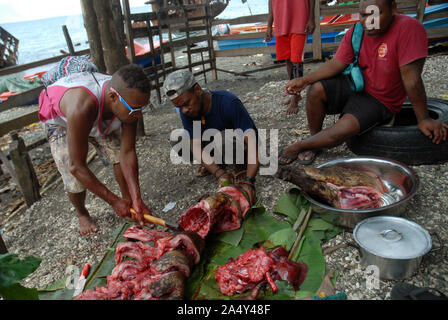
x: 9, y: 46
x: 326, y: 37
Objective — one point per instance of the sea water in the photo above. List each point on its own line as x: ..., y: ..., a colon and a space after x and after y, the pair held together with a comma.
x: 42, y: 39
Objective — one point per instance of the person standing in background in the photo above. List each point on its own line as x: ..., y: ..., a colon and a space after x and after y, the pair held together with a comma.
x: 293, y: 20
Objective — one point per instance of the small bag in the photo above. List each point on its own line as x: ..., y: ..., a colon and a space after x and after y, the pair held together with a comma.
x: 66, y: 66
x: 353, y: 71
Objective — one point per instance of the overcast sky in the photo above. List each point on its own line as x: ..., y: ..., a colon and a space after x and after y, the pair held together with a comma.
x: 21, y: 10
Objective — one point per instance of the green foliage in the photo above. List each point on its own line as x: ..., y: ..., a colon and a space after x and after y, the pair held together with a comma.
x: 12, y: 271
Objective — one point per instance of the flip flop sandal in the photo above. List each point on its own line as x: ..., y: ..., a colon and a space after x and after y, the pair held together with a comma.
x: 284, y: 155
x: 404, y: 291
x: 310, y: 160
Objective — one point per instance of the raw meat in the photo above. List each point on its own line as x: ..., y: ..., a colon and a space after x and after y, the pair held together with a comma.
x: 218, y: 213
x: 141, y: 234
x: 143, y: 253
x: 158, y: 271
x: 244, y: 272
x: 189, y: 242
x: 251, y: 268
x: 236, y: 193
x: 344, y: 188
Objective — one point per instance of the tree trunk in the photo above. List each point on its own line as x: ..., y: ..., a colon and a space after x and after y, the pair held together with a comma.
x: 93, y: 34
x: 118, y: 20
x: 113, y: 48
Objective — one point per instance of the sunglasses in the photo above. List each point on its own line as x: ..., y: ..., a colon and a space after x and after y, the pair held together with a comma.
x: 131, y: 110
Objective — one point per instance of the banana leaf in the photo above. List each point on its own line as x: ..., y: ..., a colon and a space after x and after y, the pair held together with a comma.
x: 97, y: 278
x: 311, y: 254
x: 13, y: 269
x: 287, y: 207
x: 18, y: 292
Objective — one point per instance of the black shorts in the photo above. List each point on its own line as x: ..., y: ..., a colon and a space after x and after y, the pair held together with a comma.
x: 341, y: 100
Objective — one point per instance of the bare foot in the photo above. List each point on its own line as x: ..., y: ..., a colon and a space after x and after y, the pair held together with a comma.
x: 292, y: 110
x: 86, y: 225
x: 294, y: 105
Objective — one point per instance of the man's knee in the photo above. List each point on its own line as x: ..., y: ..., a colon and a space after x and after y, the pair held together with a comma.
x: 316, y: 94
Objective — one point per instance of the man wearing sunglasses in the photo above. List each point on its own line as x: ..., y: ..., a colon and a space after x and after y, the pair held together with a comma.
x: 91, y: 107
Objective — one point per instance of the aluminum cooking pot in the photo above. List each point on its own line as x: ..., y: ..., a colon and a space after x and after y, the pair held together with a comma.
x: 394, y: 245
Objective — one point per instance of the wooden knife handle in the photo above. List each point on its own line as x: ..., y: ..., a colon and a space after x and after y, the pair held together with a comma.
x: 155, y: 220
x: 151, y: 219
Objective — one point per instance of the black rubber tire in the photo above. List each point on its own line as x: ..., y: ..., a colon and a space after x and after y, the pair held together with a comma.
x: 404, y: 142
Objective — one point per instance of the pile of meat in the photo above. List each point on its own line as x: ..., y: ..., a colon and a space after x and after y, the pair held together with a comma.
x: 255, y: 267
x: 160, y: 262
x: 341, y: 187
x: 223, y: 211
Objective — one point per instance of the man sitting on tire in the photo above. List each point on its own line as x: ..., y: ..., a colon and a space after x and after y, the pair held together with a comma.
x: 391, y: 59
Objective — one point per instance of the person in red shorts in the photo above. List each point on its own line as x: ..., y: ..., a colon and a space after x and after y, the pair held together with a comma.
x: 391, y: 59
x: 293, y: 20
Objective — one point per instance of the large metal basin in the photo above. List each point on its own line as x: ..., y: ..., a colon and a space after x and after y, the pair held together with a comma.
x: 401, y: 180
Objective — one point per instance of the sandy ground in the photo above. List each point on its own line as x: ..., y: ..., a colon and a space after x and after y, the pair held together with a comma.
x: 49, y: 229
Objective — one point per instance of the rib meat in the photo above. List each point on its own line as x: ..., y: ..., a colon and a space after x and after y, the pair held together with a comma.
x: 141, y: 234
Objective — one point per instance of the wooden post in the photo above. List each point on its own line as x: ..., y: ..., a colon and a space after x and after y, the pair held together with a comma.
x: 421, y: 10
x: 23, y: 166
x: 70, y: 47
x: 3, y: 249
x: 129, y: 36
x: 211, y: 49
x: 317, y: 41
x: 113, y: 49
x: 93, y: 34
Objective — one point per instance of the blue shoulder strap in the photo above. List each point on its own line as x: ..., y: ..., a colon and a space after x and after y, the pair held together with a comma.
x: 357, y: 35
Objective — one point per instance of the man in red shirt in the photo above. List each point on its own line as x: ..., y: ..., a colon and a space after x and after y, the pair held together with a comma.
x: 391, y: 60
x: 293, y: 20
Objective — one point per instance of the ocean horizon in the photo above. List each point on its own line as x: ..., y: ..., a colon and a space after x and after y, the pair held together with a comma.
x: 43, y: 38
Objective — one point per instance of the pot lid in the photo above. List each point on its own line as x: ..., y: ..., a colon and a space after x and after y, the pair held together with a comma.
x: 392, y: 237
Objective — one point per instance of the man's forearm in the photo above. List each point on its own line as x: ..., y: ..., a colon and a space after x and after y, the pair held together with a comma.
x: 129, y: 167
x: 417, y: 95
x: 91, y: 182
x: 311, y: 5
x: 330, y: 69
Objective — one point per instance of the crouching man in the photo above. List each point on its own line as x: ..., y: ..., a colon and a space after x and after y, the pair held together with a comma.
x: 201, y: 110
x: 91, y: 107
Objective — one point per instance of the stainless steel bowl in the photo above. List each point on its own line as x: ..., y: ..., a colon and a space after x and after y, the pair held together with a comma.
x: 401, y: 180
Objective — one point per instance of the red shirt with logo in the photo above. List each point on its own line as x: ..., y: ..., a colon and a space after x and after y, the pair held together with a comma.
x: 380, y: 58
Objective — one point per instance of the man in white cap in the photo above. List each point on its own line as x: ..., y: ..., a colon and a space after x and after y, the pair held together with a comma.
x: 218, y: 110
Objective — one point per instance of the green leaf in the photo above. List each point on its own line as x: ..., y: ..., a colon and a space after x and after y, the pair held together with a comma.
x: 287, y: 207
x: 13, y: 269
x: 97, y: 276
x: 285, y: 291
x: 18, y: 292
x: 301, y: 294
x: 231, y: 237
x: 284, y: 237
x: 258, y: 227
x: 57, y: 285
x: 317, y: 224
x: 311, y: 254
